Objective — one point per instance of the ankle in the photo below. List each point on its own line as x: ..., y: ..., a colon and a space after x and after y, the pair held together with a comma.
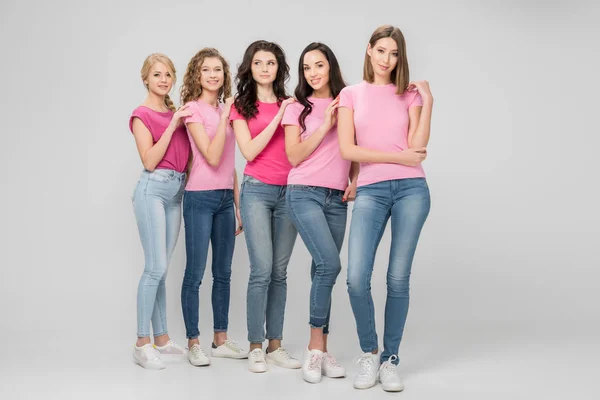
x: 219, y: 338
x: 192, y: 342
x: 161, y: 340
x: 142, y: 341
x: 254, y: 346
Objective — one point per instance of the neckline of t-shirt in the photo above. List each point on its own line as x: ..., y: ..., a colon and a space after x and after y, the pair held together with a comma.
x: 158, y: 112
x: 216, y: 108
x: 269, y: 104
x: 323, y: 99
x: 379, y: 86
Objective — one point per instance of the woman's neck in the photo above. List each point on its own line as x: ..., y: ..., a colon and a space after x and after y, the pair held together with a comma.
x: 265, y: 93
x: 210, y: 97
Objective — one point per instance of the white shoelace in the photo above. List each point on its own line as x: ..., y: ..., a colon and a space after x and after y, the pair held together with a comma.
x: 283, y: 353
x: 330, y: 360
x: 389, y: 368
x: 366, y: 364
x: 257, y: 356
x: 315, y: 362
x: 232, y: 345
x: 197, y: 351
x: 151, y: 353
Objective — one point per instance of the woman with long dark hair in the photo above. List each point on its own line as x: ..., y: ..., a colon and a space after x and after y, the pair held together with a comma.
x: 317, y: 201
x: 270, y: 235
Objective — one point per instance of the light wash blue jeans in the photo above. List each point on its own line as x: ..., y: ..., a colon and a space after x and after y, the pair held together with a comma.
x: 270, y: 238
x: 320, y: 215
x: 407, y: 203
x: 157, y: 205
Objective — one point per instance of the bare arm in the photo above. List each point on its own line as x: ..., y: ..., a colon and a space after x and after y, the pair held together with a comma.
x: 420, y: 117
x: 250, y: 147
x: 211, y: 150
x: 351, y: 151
x: 298, y: 150
x: 152, y: 153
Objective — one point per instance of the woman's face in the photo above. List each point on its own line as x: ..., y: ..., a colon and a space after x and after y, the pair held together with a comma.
x: 264, y: 67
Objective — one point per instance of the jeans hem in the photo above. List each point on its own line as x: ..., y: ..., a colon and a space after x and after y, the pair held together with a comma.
x: 220, y: 330
x: 275, y: 338
x: 143, y: 335
x: 160, y: 334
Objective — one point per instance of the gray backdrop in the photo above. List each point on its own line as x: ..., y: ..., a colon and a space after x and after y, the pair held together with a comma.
x: 508, y: 258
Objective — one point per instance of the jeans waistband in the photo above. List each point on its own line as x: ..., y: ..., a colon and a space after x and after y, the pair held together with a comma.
x: 165, y: 173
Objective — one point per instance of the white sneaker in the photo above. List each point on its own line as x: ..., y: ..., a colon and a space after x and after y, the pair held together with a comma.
x: 390, y: 381
x: 147, y: 357
x: 331, y: 368
x: 256, y: 361
x: 229, y: 349
x: 170, y: 348
x: 311, y: 368
x: 197, y: 357
x: 282, y: 358
x: 367, y: 376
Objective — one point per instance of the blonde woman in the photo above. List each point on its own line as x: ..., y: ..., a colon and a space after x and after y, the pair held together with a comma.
x: 164, y: 149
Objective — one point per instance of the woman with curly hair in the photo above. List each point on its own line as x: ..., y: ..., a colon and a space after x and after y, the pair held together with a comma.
x: 270, y: 235
x: 208, y: 201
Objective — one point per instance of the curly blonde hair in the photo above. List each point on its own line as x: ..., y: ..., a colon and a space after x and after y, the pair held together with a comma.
x: 191, y: 88
x: 147, y: 67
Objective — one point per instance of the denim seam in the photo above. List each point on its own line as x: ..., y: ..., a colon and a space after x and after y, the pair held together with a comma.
x: 312, y: 301
x: 152, y: 252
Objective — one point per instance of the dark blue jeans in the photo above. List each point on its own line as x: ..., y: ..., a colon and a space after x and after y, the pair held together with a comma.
x: 208, y: 216
x: 406, y: 202
x: 320, y: 215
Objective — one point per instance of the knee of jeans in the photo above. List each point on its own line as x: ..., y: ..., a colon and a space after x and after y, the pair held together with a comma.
x: 156, y: 274
x: 398, y: 287
x: 260, y: 276
x: 357, y: 285
x: 191, y: 280
x: 279, y: 274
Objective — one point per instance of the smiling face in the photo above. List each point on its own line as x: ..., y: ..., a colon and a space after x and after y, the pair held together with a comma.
x: 264, y: 67
x: 384, y: 57
x: 159, y: 80
x: 211, y: 74
x: 316, y: 70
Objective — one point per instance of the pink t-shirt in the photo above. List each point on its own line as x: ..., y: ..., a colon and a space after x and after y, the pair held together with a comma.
x: 202, y: 175
x: 270, y: 165
x: 178, y: 151
x: 325, y: 167
x: 381, y: 123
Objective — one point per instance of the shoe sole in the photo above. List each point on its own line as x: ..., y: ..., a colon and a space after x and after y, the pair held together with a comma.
x: 199, y: 365
x: 138, y: 362
x: 334, y: 375
x: 364, y: 387
x: 269, y: 361
x: 235, y: 357
x: 392, y: 389
x: 258, y: 372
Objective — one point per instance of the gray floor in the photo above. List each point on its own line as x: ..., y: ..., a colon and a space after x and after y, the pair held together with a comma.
x: 468, y: 362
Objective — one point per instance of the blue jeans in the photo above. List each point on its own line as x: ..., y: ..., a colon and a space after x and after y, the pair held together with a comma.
x: 157, y: 207
x: 320, y: 215
x: 407, y: 202
x: 270, y: 238
x: 208, y: 217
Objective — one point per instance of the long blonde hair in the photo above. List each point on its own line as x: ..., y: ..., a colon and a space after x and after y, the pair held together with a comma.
x: 400, y: 75
x: 149, y: 63
x: 191, y: 88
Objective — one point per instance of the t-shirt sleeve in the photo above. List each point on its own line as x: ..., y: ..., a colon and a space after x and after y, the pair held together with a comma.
x: 291, y: 114
x: 417, y: 100
x: 234, y: 114
x: 140, y: 113
x: 346, y: 98
x: 196, y: 114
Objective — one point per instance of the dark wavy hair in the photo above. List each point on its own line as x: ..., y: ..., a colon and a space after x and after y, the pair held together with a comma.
x: 245, y: 99
x: 304, y: 90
